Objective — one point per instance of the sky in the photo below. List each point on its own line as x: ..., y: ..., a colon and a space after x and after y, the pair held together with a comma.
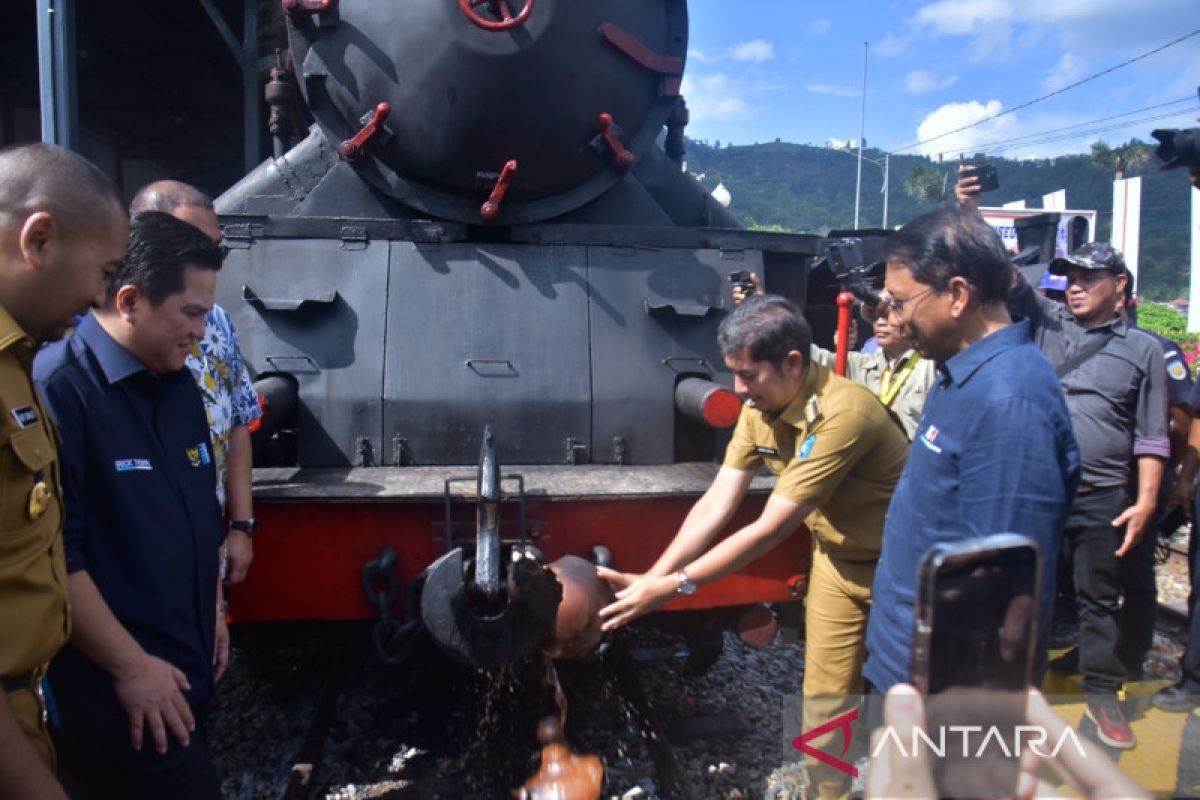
x: 767, y: 69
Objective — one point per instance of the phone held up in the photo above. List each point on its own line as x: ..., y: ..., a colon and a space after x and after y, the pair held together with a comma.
x: 742, y: 279
x: 976, y: 615
x: 974, y: 634
x: 988, y: 180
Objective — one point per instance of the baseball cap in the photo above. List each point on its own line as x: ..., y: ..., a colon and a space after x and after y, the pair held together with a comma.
x: 1093, y: 255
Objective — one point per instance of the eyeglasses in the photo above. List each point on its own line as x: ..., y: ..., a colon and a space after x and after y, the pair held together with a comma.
x: 893, y: 306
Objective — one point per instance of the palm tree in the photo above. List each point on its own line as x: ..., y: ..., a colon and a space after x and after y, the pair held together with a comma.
x: 926, y: 184
x: 1128, y: 157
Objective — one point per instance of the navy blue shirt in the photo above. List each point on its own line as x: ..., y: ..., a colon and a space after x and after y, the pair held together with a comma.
x: 1179, y: 378
x: 141, y: 510
x: 994, y: 453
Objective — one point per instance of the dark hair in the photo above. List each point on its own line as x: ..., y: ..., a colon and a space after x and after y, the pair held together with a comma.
x: 768, y: 327
x: 167, y: 196
x: 159, y: 250
x: 951, y: 242
x: 44, y: 177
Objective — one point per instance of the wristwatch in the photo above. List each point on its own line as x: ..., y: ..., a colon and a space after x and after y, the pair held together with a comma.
x: 246, y: 526
x: 685, y: 583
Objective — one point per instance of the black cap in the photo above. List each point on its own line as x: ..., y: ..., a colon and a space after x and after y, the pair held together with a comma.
x: 1093, y: 255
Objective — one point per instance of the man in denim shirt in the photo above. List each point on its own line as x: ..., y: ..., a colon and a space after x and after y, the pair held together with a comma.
x: 994, y: 451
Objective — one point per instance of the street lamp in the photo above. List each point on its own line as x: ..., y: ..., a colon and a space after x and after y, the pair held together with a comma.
x: 884, y: 165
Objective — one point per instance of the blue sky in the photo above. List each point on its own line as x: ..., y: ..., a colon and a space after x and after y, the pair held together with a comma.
x: 767, y: 69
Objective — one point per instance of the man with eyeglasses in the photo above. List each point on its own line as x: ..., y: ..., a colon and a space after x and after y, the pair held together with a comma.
x: 994, y: 451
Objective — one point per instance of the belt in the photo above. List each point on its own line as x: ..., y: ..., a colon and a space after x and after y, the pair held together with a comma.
x: 19, y: 683
x: 1089, y: 488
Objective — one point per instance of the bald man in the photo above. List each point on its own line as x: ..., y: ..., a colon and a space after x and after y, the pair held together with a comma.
x: 62, y: 232
x: 220, y: 372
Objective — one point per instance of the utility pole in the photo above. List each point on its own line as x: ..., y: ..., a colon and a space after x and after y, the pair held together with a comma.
x: 887, y: 162
x: 862, y: 121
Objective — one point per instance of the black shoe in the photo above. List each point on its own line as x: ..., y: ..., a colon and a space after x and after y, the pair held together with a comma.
x: 1067, y: 663
x: 1064, y: 634
x: 1175, y: 699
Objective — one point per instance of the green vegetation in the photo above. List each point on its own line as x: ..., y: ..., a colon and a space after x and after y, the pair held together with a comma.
x: 1166, y: 321
x: 798, y: 187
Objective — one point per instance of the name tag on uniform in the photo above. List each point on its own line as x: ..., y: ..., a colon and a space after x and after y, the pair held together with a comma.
x: 766, y: 451
x: 24, y: 416
x: 132, y: 464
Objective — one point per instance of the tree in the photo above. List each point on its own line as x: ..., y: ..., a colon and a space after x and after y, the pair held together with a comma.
x: 1128, y: 157
x: 925, y: 183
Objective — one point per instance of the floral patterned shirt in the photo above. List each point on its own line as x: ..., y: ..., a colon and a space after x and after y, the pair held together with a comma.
x: 229, y: 397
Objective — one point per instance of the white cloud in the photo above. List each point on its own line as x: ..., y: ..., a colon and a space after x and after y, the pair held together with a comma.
x: 715, y: 98
x: 953, y: 116
x: 891, y: 45
x: 757, y: 50
x: 919, y: 81
x: 833, y: 89
x: 701, y: 56
x: 819, y: 27
x: 1069, y: 69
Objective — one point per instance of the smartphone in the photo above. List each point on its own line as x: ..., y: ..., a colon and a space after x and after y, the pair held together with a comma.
x: 974, y: 634
x: 986, y: 174
x: 742, y: 278
x: 976, y: 615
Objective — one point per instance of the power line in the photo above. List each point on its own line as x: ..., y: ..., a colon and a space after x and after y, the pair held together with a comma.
x: 1090, y: 132
x: 992, y: 145
x: 1074, y: 85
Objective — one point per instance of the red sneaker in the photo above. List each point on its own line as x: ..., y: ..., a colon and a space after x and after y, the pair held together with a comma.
x: 1111, y: 726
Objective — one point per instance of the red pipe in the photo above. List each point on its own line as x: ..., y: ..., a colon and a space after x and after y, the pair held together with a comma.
x: 845, y: 301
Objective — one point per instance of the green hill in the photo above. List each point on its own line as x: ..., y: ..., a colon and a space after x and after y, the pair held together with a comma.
x: 811, y: 189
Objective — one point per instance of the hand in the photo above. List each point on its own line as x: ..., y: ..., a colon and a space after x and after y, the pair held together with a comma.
x: 636, y: 595
x: 967, y: 189
x: 241, y: 552
x: 151, y: 692
x: 220, y: 647
x: 891, y: 774
x: 740, y: 294
x: 1136, y: 520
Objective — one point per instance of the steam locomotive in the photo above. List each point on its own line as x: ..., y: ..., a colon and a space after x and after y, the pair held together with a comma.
x: 487, y: 224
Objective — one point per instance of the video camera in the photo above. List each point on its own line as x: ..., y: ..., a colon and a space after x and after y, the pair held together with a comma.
x: 1178, y: 148
x: 844, y: 258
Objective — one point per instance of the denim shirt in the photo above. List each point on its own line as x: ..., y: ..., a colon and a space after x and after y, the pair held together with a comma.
x: 994, y: 453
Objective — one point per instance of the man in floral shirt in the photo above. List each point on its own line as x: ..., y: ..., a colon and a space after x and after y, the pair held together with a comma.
x: 216, y: 364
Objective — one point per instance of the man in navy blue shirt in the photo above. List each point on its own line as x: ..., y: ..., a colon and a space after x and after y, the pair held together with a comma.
x: 994, y: 451
x: 142, y: 528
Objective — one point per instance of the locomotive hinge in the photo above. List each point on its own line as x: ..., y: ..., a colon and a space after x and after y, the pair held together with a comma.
x: 240, y: 236
x: 576, y: 451
x: 732, y: 254
x: 354, y: 237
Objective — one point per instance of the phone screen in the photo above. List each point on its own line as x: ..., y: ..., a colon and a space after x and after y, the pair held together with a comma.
x: 982, y: 619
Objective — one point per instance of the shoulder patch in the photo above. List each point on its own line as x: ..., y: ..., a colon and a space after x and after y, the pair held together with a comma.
x: 812, y: 411
x: 806, y: 447
x: 1175, y: 369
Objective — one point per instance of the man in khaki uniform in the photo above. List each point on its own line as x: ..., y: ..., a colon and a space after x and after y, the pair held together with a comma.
x: 62, y: 231
x: 895, y: 372
x: 838, y: 455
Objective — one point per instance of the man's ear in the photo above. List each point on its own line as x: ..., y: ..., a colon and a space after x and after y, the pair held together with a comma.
x: 38, y: 231
x: 960, y: 295
x: 127, y: 300
x: 794, y: 362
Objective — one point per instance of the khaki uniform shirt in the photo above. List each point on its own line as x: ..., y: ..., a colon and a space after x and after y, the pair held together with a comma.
x: 869, y: 369
x: 34, y: 618
x: 835, y: 448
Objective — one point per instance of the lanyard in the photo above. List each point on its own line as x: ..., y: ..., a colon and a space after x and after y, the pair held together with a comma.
x: 889, y: 384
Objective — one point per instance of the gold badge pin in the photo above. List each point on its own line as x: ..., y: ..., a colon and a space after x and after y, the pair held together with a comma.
x: 39, y: 500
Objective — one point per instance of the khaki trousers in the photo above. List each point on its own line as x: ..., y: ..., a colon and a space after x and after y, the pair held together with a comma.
x: 837, y: 605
